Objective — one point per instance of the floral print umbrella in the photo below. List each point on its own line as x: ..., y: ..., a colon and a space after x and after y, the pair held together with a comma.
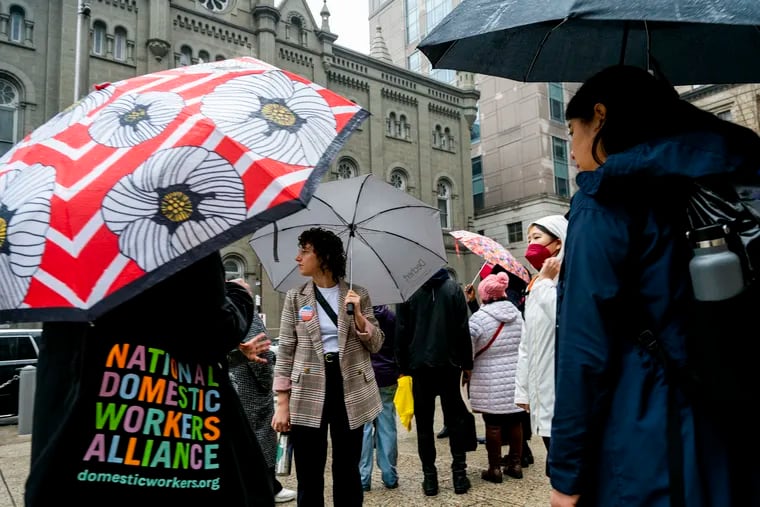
x: 491, y: 251
x: 146, y: 175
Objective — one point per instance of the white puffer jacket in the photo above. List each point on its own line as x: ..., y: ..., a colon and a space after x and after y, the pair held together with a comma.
x: 492, y: 385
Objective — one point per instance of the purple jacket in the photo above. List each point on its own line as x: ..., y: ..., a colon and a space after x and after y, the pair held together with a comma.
x: 384, y: 360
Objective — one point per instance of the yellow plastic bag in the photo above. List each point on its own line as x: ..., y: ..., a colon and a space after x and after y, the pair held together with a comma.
x: 404, y: 401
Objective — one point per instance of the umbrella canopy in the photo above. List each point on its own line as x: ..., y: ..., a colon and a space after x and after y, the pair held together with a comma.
x: 393, y: 240
x: 492, y: 252
x: 686, y: 41
x: 145, y: 176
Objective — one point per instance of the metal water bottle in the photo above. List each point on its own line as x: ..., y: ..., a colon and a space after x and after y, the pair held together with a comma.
x: 284, y: 455
x: 716, y: 271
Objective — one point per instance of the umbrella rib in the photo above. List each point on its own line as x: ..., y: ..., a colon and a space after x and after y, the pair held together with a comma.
x: 540, y: 48
x: 388, y: 210
x: 367, y: 229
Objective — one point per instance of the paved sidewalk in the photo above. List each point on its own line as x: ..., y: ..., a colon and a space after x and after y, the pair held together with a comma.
x: 531, y: 491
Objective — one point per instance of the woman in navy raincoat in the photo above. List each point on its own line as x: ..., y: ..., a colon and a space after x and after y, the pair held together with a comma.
x: 637, y: 146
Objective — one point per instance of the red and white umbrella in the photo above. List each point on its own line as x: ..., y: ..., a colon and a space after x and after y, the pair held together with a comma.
x: 144, y: 176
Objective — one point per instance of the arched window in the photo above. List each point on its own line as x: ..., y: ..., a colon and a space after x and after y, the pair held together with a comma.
x: 398, y: 178
x: 444, y: 203
x: 234, y: 267
x: 9, y: 103
x: 347, y: 169
x: 215, y: 6
x: 16, y: 33
x: 219, y: 58
x: 120, y: 44
x: 203, y: 56
x: 446, y: 139
x: 99, y: 38
x: 299, y: 33
x: 185, y: 55
x: 401, y: 127
x: 437, y: 135
x: 391, y: 124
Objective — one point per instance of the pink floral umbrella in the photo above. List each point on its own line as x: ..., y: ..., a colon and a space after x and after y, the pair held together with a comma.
x: 491, y: 251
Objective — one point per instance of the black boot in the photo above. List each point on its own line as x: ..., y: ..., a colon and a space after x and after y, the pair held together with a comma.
x: 459, y: 473
x: 527, y: 455
x: 430, y: 480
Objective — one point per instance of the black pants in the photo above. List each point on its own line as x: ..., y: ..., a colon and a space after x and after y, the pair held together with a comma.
x: 427, y: 383
x: 310, y: 451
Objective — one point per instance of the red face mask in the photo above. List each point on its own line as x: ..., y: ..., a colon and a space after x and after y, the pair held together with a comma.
x: 537, y: 254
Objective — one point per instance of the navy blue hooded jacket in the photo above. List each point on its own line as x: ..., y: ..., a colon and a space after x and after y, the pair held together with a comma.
x: 625, y: 270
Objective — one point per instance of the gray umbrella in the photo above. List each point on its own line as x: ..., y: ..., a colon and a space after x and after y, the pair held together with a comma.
x: 393, y: 240
x: 686, y: 41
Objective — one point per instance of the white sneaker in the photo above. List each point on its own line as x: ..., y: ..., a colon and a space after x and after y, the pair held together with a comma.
x: 285, y: 495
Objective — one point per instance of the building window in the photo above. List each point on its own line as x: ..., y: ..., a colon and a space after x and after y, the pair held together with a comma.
x: 16, y: 33
x: 185, y: 55
x: 120, y: 44
x: 725, y: 115
x: 391, y: 124
x: 475, y: 130
x: 478, y: 187
x: 412, y: 21
x: 444, y: 203
x: 557, y: 102
x: 437, y: 136
x: 219, y: 58
x: 444, y: 75
x: 9, y: 103
x: 215, y: 6
x: 561, y: 179
x: 436, y: 11
x: 402, y: 129
x: 99, y: 38
x: 347, y: 169
x: 203, y: 57
x: 299, y: 33
x: 233, y: 268
x: 398, y: 179
x: 414, y: 63
x: 514, y: 233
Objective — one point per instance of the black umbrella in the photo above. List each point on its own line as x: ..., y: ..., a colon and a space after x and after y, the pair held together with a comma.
x: 686, y: 41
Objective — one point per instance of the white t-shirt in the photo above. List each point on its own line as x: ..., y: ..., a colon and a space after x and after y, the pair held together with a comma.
x: 327, y: 329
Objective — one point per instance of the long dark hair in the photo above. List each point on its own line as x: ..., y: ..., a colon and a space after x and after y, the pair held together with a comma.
x: 328, y: 248
x: 641, y: 107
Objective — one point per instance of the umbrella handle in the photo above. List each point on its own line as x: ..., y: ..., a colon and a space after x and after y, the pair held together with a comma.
x: 350, y: 306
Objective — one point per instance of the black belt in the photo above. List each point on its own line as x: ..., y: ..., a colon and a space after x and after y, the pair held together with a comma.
x: 331, y: 357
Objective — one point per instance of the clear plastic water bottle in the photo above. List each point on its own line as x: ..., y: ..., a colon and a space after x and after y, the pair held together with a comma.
x: 284, y: 455
x: 716, y: 271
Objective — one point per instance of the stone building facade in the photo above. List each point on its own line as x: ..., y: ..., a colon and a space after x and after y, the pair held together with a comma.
x: 417, y: 136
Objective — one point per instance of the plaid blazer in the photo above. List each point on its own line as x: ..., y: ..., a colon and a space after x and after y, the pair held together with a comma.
x: 300, y: 366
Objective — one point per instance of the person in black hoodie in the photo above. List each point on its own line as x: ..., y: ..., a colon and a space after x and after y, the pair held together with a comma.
x: 136, y: 407
x: 433, y: 346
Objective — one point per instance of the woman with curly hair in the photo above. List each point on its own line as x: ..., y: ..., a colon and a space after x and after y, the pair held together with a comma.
x: 323, y: 376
